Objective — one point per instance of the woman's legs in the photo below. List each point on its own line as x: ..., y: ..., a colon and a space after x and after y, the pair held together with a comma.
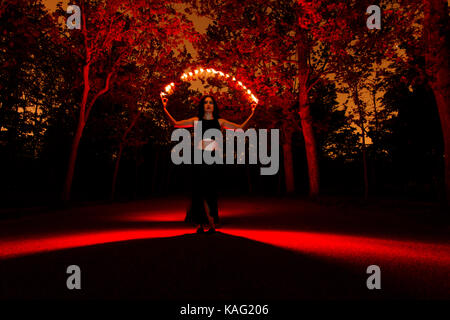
x: 208, y: 214
x: 200, y: 228
x: 204, y: 197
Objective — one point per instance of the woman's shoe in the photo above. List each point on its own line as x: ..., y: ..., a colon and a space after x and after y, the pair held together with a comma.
x: 200, y: 230
x: 211, y: 230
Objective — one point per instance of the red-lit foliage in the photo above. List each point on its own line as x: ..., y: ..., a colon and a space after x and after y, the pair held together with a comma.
x: 284, y: 48
x: 114, y: 34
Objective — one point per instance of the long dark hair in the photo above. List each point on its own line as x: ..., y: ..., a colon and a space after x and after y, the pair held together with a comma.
x: 201, y: 108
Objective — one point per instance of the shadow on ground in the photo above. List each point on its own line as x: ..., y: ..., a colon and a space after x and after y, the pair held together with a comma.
x: 187, y: 267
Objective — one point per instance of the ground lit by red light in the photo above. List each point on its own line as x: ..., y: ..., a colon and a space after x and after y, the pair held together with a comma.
x: 278, y: 223
x: 414, y: 258
x: 348, y: 247
x: 45, y: 243
x: 320, y: 244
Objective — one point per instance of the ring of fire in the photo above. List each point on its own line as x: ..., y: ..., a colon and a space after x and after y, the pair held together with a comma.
x: 189, y: 76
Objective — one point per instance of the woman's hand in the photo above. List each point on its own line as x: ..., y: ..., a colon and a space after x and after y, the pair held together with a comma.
x: 164, y: 101
x: 182, y: 123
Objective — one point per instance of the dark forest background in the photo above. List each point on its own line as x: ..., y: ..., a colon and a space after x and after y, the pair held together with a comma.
x: 40, y: 94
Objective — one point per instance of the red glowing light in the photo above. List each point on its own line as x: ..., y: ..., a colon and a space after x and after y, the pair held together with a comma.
x: 188, y: 76
x: 349, y: 247
x: 44, y: 243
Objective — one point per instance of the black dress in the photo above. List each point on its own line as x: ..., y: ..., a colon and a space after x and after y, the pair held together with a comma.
x: 204, y: 185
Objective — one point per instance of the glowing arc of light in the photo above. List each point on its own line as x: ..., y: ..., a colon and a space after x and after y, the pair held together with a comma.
x: 187, y: 76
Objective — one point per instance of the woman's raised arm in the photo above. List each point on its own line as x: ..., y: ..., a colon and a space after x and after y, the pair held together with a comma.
x: 182, y: 123
x: 231, y: 125
x: 186, y: 123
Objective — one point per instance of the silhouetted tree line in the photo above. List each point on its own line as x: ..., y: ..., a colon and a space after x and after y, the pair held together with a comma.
x: 41, y: 90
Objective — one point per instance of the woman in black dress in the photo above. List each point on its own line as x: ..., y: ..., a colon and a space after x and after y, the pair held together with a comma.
x: 203, y: 210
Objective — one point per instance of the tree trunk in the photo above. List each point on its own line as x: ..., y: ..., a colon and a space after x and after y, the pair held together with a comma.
x: 375, y: 113
x: 288, y: 163
x: 136, y: 168
x: 76, y: 139
x: 363, y: 136
x: 279, y: 184
x: 155, y: 170
x: 436, y: 57
x: 249, y: 179
x: 307, y: 121
x: 311, y: 153
x: 72, y: 160
x: 168, y: 172
x: 442, y: 99
x: 366, y: 179
x: 122, y: 144
x: 375, y: 142
x: 116, y: 171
